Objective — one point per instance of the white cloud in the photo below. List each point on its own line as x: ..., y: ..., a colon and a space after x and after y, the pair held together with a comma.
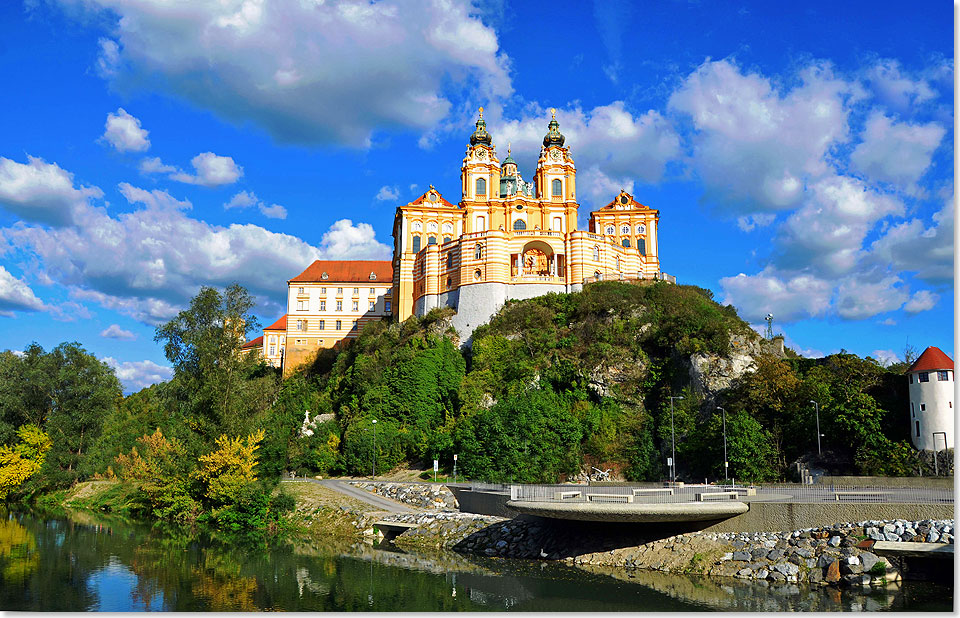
x: 858, y: 299
x: 885, y: 357
x: 211, y: 171
x: 153, y: 165
x: 896, y: 88
x: 136, y: 375
x: 748, y: 223
x: 148, y: 263
x: 115, y: 332
x: 888, y: 322
x: 788, y: 297
x: 754, y: 146
x: 613, y: 147
x: 124, y: 132
x: 246, y: 199
x: 346, y: 241
x: 913, y: 246
x: 827, y: 233
x: 923, y: 300
x: 388, y: 194
x: 16, y: 295
x: 896, y: 152
x: 308, y: 72
x: 42, y: 192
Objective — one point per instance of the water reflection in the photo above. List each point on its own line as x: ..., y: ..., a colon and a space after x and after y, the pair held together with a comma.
x: 85, y: 564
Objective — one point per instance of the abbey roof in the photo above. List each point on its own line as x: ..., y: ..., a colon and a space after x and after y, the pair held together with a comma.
x: 347, y: 271
x: 254, y: 343
x: 932, y: 359
x: 280, y: 324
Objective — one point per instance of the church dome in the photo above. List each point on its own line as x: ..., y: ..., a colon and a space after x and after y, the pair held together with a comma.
x: 553, y: 136
x: 509, y: 160
x: 480, y: 135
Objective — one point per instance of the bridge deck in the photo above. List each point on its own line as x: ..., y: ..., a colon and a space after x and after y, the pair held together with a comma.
x: 631, y: 511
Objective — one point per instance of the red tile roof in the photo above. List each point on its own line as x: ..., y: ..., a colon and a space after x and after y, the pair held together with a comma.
x: 932, y: 359
x: 280, y: 324
x: 350, y: 271
x: 254, y: 343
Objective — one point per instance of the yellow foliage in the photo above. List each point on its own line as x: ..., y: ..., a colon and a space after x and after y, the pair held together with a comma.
x: 22, y: 461
x: 160, y: 455
x: 230, y: 468
x: 18, y: 548
x: 333, y: 442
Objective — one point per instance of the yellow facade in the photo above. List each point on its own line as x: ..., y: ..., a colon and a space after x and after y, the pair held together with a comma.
x: 513, y: 233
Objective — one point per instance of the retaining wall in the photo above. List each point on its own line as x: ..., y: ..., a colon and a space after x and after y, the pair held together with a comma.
x: 780, y: 516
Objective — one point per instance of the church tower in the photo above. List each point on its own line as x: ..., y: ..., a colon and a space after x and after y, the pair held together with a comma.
x: 480, y: 172
x: 556, y: 176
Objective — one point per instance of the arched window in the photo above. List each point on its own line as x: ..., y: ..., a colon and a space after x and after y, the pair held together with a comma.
x: 626, y: 242
x: 481, y: 186
x: 642, y: 246
x: 450, y: 259
x: 610, y: 230
x: 446, y: 239
x: 432, y: 240
x: 519, y: 224
x: 557, y: 188
x: 416, y: 244
x: 596, y: 254
x: 624, y: 229
x: 478, y: 252
x: 481, y: 224
x: 557, y: 224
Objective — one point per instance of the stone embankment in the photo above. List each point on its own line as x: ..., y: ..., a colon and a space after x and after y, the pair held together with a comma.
x: 419, y: 495
x: 838, y: 555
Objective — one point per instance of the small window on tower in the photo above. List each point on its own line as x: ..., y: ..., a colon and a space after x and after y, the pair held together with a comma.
x: 943, y: 376
x: 519, y: 224
x: 610, y: 229
x: 596, y: 254
x: 923, y: 407
x: 416, y: 244
x: 626, y: 242
x: 918, y: 428
x: 481, y: 186
x: 642, y: 245
x: 450, y: 259
x: 432, y: 240
x: 924, y: 376
x: 478, y: 252
x: 557, y: 188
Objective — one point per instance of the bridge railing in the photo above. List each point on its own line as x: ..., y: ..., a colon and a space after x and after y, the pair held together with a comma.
x: 695, y: 493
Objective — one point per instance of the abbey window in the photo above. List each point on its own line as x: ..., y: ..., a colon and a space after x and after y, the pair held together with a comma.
x: 416, y: 244
x: 557, y: 188
x: 642, y: 246
x: 596, y: 254
x: 478, y: 252
x: 481, y: 186
x: 432, y: 240
x: 626, y: 242
x: 519, y: 224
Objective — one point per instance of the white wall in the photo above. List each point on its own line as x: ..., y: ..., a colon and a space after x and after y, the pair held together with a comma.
x: 938, y: 398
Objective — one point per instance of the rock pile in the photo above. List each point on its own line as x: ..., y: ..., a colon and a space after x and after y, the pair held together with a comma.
x: 420, y: 495
x: 443, y: 529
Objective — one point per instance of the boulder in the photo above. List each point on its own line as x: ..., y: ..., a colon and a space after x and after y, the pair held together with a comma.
x: 833, y: 572
x: 868, y: 559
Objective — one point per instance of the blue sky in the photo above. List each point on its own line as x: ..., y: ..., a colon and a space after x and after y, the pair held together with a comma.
x: 801, y: 156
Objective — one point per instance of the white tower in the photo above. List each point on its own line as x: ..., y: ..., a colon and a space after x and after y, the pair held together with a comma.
x: 931, y: 384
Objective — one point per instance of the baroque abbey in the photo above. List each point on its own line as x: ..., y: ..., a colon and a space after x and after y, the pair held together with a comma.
x: 506, y: 238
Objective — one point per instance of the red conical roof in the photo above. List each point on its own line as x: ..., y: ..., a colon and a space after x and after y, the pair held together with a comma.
x: 932, y: 359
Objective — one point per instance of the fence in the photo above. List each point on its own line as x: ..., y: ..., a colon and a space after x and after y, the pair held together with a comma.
x: 701, y: 493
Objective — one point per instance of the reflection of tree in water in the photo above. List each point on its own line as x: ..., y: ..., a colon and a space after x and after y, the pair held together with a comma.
x: 18, y: 552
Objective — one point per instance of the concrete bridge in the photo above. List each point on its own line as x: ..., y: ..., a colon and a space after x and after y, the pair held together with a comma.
x: 714, y: 507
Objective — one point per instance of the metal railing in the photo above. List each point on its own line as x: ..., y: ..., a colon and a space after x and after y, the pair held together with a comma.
x: 667, y: 493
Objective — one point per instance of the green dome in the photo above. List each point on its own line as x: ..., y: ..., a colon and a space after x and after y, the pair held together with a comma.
x: 553, y: 136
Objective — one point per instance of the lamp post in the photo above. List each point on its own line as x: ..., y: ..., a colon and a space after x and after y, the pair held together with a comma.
x: 936, y: 468
x: 374, y: 449
x: 816, y: 407
x: 673, y: 443
x: 726, y: 464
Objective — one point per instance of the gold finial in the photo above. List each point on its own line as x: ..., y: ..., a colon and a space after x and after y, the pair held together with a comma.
x: 508, y: 149
x: 481, y: 111
x: 553, y: 113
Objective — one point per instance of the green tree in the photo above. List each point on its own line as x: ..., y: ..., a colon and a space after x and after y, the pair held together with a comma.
x: 213, y: 378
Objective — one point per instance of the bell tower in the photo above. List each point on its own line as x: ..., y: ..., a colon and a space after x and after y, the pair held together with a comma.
x: 480, y: 172
x: 556, y: 173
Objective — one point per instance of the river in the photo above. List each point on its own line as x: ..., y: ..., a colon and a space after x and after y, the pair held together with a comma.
x: 82, y: 563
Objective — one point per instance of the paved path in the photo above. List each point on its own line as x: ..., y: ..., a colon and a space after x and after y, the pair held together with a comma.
x: 344, y: 487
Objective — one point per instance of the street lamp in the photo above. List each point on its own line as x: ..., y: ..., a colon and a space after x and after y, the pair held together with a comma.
x: 374, y: 449
x: 673, y: 443
x: 726, y: 464
x: 816, y: 406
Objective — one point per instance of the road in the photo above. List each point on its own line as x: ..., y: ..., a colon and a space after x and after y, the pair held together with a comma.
x: 345, y: 488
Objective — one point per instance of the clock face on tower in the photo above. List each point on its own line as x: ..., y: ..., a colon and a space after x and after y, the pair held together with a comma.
x: 555, y: 155
x: 481, y: 154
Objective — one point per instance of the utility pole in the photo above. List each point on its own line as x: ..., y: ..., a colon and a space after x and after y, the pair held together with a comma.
x: 673, y: 443
x: 726, y: 464
x: 374, y: 449
x: 816, y: 407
